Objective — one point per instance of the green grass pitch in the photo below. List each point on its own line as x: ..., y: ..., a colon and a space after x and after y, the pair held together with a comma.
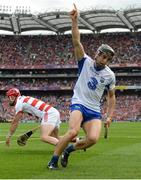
x: 119, y: 156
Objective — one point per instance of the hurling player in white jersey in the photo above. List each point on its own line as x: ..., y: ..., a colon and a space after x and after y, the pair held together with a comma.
x: 49, y: 116
x: 94, y: 77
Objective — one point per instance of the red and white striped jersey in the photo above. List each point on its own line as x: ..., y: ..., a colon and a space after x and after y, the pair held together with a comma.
x: 30, y: 105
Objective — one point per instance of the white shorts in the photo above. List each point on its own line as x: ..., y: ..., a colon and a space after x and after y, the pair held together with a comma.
x: 51, y: 117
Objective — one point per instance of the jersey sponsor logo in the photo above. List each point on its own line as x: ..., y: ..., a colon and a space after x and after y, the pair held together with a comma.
x: 77, y: 107
x: 92, y: 84
x: 102, y: 79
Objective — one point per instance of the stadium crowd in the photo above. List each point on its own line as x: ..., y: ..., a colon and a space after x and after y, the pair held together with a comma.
x: 60, y: 102
x: 29, y: 51
x: 36, y: 84
x: 58, y: 50
x: 128, y: 107
x: 58, y: 84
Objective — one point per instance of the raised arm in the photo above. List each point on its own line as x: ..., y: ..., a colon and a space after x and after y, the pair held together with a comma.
x: 78, y: 48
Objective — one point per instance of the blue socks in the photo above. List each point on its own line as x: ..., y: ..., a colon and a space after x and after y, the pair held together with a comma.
x: 70, y: 148
x: 54, y: 159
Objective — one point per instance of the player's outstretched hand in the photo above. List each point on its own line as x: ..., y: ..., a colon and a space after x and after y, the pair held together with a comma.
x: 8, y: 140
x: 107, y: 122
x: 74, y: 13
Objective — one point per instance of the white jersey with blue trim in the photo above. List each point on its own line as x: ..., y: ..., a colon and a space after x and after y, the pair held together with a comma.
x: 91, y: 84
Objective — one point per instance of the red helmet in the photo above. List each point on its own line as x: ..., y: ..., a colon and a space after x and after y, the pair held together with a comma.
x: 13, y: 92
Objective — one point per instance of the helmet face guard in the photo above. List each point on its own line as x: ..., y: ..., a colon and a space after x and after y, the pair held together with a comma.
x: 106, y: 49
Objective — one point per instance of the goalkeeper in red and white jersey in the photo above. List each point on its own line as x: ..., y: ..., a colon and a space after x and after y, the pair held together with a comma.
x: 49, y: 116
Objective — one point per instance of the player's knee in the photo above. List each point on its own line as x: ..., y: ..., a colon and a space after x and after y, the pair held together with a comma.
x: 92, y: 139
x: 44, y: 138
x: 72, y: 133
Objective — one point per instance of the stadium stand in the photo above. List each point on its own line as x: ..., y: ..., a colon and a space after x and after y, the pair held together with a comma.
x: 30, y: 51
x: 46, y: 64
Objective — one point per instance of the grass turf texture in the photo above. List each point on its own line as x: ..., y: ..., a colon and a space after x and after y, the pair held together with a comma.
x: 119, y: 156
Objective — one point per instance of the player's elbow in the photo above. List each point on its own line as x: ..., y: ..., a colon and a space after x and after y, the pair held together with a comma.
x: 14, y: 123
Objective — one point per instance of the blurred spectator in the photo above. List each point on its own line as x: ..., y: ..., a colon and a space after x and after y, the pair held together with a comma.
x: 128, y: 107
x: 30, y: 51
x: 57, y: 49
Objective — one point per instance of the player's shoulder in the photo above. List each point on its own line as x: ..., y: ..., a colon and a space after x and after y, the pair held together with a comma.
x: 108, y: 69
x: 19, y: 103
x: 87, y: 58
x: 20, y: 99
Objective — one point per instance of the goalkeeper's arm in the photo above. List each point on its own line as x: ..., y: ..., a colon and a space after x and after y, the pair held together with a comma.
x: 14, y: 124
